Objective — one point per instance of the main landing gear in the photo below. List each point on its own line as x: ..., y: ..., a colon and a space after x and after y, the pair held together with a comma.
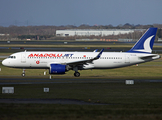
x: 23, y: 74
x: 76, y: 74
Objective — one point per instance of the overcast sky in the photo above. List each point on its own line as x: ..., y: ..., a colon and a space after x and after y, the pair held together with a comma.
x: 77, y: 12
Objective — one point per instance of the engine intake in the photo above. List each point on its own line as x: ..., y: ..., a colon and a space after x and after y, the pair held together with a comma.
x: 57, y: 69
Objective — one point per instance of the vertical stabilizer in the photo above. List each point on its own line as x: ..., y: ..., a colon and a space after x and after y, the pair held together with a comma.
x: 145, y: 43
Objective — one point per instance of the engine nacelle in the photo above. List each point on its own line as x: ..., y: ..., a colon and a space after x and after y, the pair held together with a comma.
x: 57, y: 69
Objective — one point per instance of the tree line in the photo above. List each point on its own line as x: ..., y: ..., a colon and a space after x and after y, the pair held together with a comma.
x: 49, y: 32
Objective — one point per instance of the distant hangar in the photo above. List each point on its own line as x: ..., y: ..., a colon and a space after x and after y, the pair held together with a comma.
x: 95, y: 32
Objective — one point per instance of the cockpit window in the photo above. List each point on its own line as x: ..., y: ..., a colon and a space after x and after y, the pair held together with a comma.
x: 12, y: 57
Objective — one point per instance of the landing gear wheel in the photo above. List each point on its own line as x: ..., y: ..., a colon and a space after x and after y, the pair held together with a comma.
x: 76, y: 74
x: 23, y: 74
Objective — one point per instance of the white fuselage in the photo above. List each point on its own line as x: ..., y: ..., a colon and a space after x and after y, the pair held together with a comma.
x: 42, y: 60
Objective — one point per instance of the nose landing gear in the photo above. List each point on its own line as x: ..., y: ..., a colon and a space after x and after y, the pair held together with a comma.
x: 23, y: 74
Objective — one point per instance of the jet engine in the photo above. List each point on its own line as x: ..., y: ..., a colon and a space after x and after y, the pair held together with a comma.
x: 57, y: 69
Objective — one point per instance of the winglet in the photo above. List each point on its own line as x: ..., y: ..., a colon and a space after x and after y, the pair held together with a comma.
x: 95, y: 50
x: 145, y: 43
x: 99, y: 54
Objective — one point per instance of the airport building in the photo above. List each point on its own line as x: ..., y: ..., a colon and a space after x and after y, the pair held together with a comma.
x: 89, y: 32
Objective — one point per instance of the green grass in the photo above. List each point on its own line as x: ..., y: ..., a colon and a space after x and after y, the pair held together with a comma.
x: 76, y: 112
x: 139, y: 101
x: 113, y: 93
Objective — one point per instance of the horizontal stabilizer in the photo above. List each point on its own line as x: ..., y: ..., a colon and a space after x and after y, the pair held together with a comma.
x: 150, y: 57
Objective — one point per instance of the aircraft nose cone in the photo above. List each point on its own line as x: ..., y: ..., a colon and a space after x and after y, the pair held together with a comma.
x: 4, y: 62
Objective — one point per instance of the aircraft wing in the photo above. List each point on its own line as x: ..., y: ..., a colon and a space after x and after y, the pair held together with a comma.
x: 81, y: 62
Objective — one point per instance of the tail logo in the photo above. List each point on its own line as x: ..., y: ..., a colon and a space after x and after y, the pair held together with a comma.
x: 146, y: 45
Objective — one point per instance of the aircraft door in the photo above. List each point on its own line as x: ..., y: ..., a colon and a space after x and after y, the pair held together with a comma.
x: 127, y: 59
x: 23, y: 57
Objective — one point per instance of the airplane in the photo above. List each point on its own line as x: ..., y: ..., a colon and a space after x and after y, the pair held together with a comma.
x: 60, y: 62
